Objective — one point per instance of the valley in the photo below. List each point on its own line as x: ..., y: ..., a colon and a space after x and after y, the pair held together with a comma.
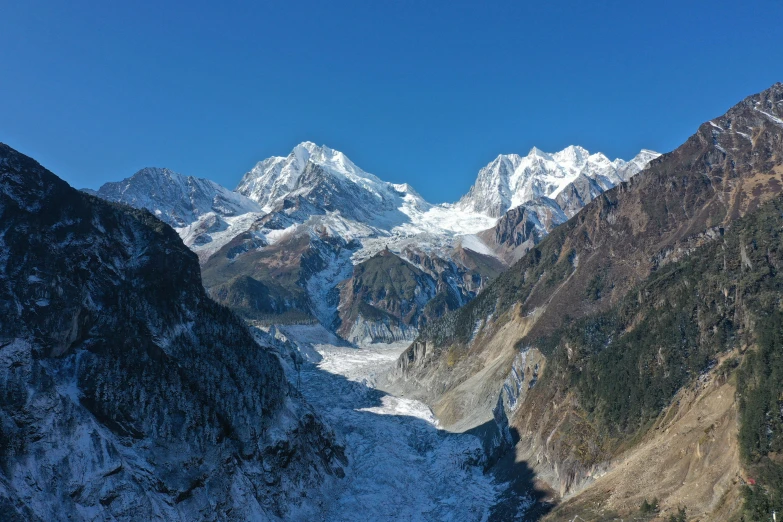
x: 400, y: 464
x: 575, y: 338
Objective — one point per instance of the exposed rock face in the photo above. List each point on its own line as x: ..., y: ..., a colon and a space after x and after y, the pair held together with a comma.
x: 125, y: 392
x: 578, y: 193
x: 523, y: 227
x: 684, y: 200
x: 292, y: 280
x: 388, y: 298
x: 384, y: 299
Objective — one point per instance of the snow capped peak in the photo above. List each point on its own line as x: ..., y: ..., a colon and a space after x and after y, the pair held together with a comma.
x: 309, y: 146
x: 536, y: 152
x: 327, y: 179
x: 510, y: 180
x: 157, y: 172
x: 154, y: 176
x: 326, y: 157
x: 572, y: 154
x: 645, y: 156
x: 275, y: 178
x: 175, y: 198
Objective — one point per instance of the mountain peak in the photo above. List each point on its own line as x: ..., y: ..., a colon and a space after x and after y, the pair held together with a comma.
x: 535, y: 151
x: 511, y: 180
x: 572, y: 154
x: 175, y: 198
x: 326, y: 178
x: 157, y: 171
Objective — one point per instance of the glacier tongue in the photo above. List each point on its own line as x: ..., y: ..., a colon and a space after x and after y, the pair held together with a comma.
x: 400, y: 465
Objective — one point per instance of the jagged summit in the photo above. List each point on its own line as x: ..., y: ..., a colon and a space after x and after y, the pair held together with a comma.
x: 275, y: 177
x: 175, y: 198
x: 535, y: 151
x: 327, y: 179
x: 511, y: 180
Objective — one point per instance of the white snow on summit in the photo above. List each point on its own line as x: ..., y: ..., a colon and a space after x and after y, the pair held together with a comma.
x: 342, y: 199
x: 174, y: 198
x: 511, y: 180
x: 355, y: 202
x: 320, y: 189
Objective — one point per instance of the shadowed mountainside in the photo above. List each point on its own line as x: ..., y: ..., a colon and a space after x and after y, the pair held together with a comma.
x: 125, y: 392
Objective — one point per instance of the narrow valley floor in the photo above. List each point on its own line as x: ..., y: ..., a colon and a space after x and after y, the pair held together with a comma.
x: 401, y: 466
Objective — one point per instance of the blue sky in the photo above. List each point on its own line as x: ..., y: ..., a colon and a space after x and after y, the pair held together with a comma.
x: 418, y: 92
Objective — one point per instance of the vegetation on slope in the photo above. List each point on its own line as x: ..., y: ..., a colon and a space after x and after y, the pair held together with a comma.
x: 625, y: 365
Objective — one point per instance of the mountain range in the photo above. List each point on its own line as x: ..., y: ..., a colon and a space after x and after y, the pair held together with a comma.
x: 602, y: 338
x: 615, y: 342
x: 298, y: 239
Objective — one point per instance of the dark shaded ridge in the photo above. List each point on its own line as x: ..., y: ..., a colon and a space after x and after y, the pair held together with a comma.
x: 107, y: 337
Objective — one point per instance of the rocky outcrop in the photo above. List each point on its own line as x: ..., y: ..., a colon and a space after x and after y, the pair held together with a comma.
x: 523, y: 227
x: 383, y: 300
x: 577, y: 194
x: 292, y: 280
x: 388, y: 298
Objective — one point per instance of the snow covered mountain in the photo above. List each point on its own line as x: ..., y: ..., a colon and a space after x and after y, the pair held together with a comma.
x: 300, y: 235
x: 328, y: 180
x: 327, y: 218
x: 176, y: 199
x: 511, y: 180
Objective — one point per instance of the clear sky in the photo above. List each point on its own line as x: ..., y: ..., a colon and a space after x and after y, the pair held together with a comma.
x: 413, y: 91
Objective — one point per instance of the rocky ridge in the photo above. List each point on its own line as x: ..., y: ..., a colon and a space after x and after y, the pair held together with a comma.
x: 588, y: 273
x: 125, y: 392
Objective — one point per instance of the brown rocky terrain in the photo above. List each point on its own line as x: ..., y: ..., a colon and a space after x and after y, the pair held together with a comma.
x: 684, y: 200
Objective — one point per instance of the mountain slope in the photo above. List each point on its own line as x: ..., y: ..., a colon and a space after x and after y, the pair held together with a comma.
x: 523, y: 227
x: 125, y: 392
x: 205, y: 214
x: 326, y: 217
x: 686, y: 327
x: 683, y: 200
x: 383, y: 290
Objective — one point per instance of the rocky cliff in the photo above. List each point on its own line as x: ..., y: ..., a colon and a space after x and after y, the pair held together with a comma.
x: 125, y: 392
